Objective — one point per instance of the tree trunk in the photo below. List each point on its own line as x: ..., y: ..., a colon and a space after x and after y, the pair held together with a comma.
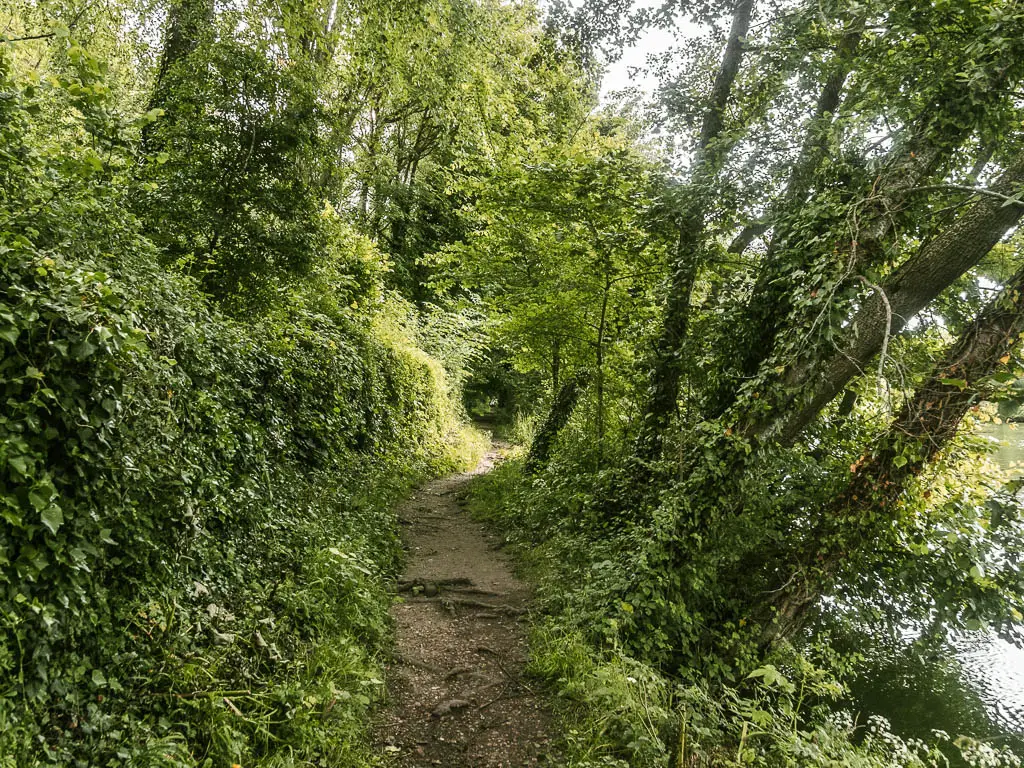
x: 860, y: 516
x: 599, y: 355
x: 188, y: 23
x: 770, y: 300
x: 933, y: 138
x: 668, y: 352
x: 912, y: 286
x: 556, y: 362
x: 885, y: 313
x: 561, y: 410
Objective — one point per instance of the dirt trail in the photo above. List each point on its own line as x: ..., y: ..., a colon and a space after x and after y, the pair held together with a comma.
x: 456, y: 693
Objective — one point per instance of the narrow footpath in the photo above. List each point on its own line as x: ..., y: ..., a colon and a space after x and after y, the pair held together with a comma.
x: 457, y: 696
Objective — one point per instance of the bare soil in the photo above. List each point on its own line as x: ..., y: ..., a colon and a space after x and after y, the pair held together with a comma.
x: 456, y: 695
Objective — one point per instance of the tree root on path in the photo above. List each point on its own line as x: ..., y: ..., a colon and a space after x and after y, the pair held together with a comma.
x: 460, y: 584
x: 408, y: 661
x: 452, y: 602
x: 514, y: 679
x: 404, y: 585
x: 477, y: 591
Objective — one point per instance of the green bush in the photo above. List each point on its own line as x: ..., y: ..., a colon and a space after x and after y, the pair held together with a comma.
x: 621, y: 704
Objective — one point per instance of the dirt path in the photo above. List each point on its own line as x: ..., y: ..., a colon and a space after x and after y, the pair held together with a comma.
x: 456, y: 693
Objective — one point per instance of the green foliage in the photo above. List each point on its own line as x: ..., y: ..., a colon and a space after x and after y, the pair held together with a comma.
x: 618, y: 709
x: 436, y: 94
x: 232, y: 198
x: 562, y: 250
x: 196, y: 530
x: 246, y: 271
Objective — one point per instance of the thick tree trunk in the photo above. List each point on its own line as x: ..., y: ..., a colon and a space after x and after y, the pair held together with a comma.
x: 667, y: 369
x: 885, y: 313
x: 663, y: 393
x: 923, y: 428
x: 770, y: 299
x: 564, y: 404
x: 928, y: 143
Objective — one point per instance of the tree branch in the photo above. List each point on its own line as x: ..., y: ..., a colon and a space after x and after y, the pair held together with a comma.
x: 27, y: 37
x: 1007, y: 199
x: 914, y: 285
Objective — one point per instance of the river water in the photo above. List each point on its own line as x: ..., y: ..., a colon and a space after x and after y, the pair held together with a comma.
x: 992, y: 666
x: 980, y: 691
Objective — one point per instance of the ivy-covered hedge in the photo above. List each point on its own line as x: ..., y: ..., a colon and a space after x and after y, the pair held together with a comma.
x: 190, y: 505
x: 195, y: 522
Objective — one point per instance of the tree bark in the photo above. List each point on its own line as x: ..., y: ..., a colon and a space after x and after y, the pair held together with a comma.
x: 668, y: 358
x: 561, y: 411
x: 770, y: 299
x: 927, y: 144
x: 925, y: 425
x: 909, y: 289
x: 739, y: 244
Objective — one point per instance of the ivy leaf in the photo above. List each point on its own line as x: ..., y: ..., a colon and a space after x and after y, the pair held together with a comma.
x: 52, y: 518
x: 20, y: 464
x: 83, y: 349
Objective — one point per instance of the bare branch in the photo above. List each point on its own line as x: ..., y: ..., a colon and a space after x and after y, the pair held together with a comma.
x: 27, y: 37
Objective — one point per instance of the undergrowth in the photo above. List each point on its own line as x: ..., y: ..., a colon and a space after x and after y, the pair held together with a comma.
x: 197, y: 577
x: 620, y: 710
x: 195, y: 508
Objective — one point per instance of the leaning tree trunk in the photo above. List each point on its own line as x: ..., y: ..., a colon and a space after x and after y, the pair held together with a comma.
x: 809, y: 387
x: 911, y: 287
x: 890, y: 306
x: 930, y: 140
x: 769, y: 303
x: 561, y: 411
x: 862, y: 514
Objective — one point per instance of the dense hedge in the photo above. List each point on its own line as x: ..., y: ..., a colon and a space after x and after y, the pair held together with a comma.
x: 194, y: 509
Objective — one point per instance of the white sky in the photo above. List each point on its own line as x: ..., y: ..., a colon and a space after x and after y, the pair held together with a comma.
x: 629, y: 70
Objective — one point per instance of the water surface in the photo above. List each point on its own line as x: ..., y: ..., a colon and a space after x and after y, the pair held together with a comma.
x: 980, y: 691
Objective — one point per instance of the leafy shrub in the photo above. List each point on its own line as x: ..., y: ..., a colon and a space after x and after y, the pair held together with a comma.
x: 622, y: 704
